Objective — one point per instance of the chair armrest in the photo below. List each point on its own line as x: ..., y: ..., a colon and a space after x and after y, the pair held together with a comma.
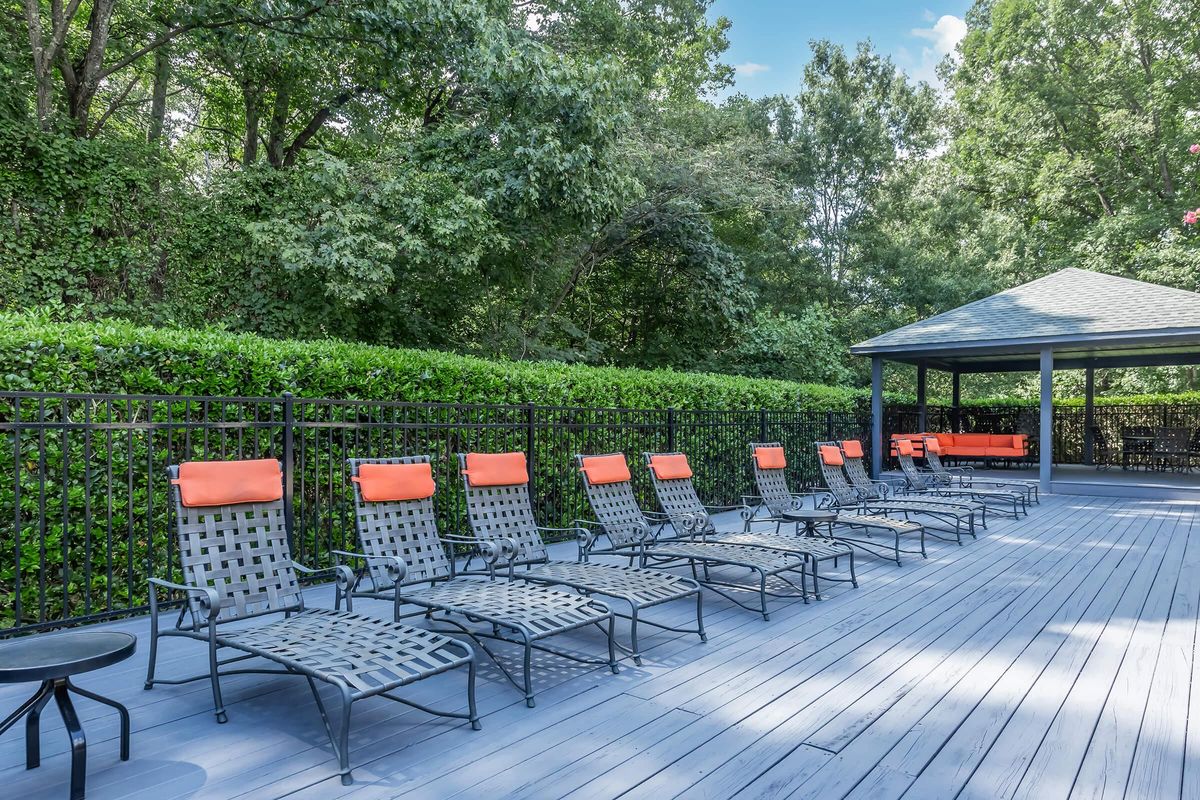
x: 493, y: 551
x: 210, y: 602
x: 397, y: 568
x: 722, y: 509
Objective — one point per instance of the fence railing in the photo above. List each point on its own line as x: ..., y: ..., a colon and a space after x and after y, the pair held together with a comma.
x: 84, y: 511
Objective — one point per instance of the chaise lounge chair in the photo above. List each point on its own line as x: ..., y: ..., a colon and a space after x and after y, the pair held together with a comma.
x: 874, y: 497
x: 1004, y: 501
x: 691, y: 519
x: 233, y: 547
x: 965, y: 476
x: 630, y: 534
x: 499, y: 510
x: 406, y: 562
x: 776, y: 497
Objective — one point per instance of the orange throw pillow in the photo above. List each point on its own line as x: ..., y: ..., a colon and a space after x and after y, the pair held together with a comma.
x: 932, y: 446
x: 831, y: 455
x: 227, y: 483
x: 601, y: 470
x: 770, y: 457
x: 904, y: 447
x: 496, y: 469
x: 852, y: 448
x: 389, y: 483
x: 670, y: 468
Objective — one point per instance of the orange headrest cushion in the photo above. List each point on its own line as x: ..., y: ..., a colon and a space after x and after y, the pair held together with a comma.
x: 770, y: 457
x: 606, y: 469
x: 932, y: 446
x: 670, y: 468
x: 831, y: 455
x: 386, y: 483
x: 904, y: 447
x: 852, y: 448
x: 496, y: 469
x: 228, y: 483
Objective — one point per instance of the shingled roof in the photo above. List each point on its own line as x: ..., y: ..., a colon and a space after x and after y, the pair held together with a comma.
x: 1074, y: 311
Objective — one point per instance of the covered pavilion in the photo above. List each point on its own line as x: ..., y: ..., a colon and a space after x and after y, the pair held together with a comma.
x: 1070, y: 319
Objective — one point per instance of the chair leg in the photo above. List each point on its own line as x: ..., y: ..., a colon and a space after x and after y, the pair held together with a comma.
x: 344, y: 739
x: 472, y: 712
x: 78, y: 742
x: 700, y: 616
x: 762, y: 595
x: 633, y: 637
x: 153, y: 649
x: 612, y: 644
x: 124, y: 712
x: 214, y: 677
x: 527, y: 665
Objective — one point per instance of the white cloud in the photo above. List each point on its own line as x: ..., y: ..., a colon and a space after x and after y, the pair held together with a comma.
x: 943, y: 38
x: 749, y: 69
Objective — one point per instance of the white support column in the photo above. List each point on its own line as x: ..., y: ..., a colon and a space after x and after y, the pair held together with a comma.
x: 876, y: 416
x: 1046, y: 428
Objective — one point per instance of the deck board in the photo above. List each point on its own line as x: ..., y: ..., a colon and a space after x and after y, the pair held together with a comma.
x: 1052, y: 657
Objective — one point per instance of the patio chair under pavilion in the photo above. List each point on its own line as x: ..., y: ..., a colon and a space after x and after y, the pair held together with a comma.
x: 1070, y: 319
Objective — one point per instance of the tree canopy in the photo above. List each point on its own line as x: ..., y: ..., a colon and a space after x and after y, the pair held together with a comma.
x: 557, y: 179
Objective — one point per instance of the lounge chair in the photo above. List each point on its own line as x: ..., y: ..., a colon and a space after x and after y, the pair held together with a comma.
x: 862, y: 495
x: 499, y: 509
x: 774, y: 495
x: 631, y: 534
x: 406, y: 562
x: 965, y: 476
x: 690, y: 519
x: 233, y: 547
x: 921, y: 484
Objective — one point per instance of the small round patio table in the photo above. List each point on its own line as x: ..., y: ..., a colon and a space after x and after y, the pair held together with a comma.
x: 53, y: 659
x: 810, y: 519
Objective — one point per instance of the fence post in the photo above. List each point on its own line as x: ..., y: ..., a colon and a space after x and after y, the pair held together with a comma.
x: 530, y: 441
x: 829, y: 426
x: 762, y: 425
x: 670, y: 430
x: 289, y: 475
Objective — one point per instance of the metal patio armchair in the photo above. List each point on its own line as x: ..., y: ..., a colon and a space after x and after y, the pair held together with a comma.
x: 406, y: 561
x: 965, y: 475
x: 1172, y: 449
x: 499, y: 510
x: 774, y: 494
x: 852, y: 489
x: 630, y: 533
x: 920, y: 484
x: 233, y: 547
x: 691, y: 520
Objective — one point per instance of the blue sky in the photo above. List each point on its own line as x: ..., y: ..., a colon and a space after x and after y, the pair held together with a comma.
x: 769, y: 38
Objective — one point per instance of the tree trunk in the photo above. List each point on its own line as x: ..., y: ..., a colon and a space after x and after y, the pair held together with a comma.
x: 158, y: 97
x: 250, y: 143
x: 278, y: 126
x: 41, y: 62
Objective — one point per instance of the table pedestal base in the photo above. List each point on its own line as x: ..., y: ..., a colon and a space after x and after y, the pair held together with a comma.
x: 31, y: 710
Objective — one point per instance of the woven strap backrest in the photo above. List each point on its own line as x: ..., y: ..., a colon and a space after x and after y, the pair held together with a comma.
x: 614, y: 507
x: 241, y: 551
x: 915, y: 478
x: 676, y: 496
x: 405, y: 529
x: 772, y: 484
x: 835, y: 479
x: 934, y: 460
x: 500, y: 512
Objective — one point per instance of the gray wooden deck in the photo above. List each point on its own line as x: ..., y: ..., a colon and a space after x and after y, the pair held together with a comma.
x: 1052, y: 658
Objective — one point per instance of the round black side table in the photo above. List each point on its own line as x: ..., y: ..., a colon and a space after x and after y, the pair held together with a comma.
x: 810, y: 519
x: 53, y: 659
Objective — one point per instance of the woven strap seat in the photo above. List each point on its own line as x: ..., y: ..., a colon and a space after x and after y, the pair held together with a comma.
x: 772, y: 562
x: 812, y: 546
x: 962, y: 509
x: 540, y: 610
x: 632, y: 584
x: 368, y: 654
x: 879, y: 521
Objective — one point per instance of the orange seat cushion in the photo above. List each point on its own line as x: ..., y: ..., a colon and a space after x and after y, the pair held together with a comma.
x: 1007, y: 452
x: 606, y: 469
x: 670, y: 468
x: 496, y: 469
x: 1021, y: 442
x: 228, y: 483
x: 388, y: 483
x: 972, y: 439
x: 852, y: 448
x: 831, y: 455
x: 955, y: 450
x: 770, y: 457
x: 944, y: 439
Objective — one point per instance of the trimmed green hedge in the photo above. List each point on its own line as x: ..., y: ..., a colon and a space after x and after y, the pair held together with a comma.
x: 117, y: 357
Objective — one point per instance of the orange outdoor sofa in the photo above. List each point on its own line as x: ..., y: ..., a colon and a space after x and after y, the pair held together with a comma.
x: 970, y: 446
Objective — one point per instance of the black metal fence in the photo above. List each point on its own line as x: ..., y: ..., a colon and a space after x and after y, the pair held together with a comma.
x: 84, y: 511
